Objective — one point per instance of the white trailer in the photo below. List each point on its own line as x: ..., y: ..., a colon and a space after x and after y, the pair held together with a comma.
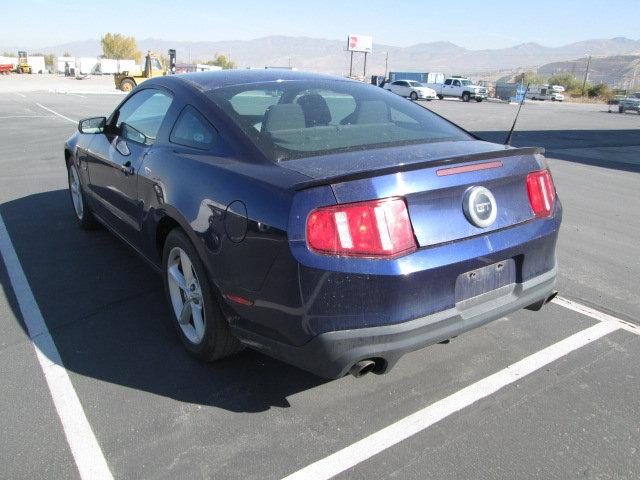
x: 37, y: 64
x: 88, y: 65
x: 62, y: 61
x: 128, y: 66
x: 546, y: 92
x: 107, y: 66
x: 203, y: 67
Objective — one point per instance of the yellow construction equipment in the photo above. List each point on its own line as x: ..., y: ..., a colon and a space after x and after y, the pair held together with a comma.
x: 23, y: 63
x: 127, y: 81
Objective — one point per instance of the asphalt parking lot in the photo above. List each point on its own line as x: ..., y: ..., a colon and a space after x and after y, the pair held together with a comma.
x: 549, y: 394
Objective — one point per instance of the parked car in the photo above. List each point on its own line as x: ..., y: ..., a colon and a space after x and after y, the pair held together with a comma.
x: 316, y: 219
x: 412, y: 89
x: 462, y: 88
x: 629, y: 104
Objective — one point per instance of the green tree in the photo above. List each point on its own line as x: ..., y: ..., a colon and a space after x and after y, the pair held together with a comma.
x: 119, y: 47
x: 600, y: 90
x: 49, y: 60
x: 529, y: 78
x: 568, y: 81
x: 222, y: 61
x: 8, y: 54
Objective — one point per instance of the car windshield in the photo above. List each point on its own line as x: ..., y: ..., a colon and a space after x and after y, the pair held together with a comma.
x: 467, y: 82
x: 297, y: 119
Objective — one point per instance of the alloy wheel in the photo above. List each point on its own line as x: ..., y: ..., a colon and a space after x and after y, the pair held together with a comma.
x: 186, y: 295
x: 76, y: 192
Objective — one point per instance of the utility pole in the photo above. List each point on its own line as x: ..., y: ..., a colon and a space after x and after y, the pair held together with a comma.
x: 351, y: 65
x: 586, y: 74
x: 386, y: 64
x: 364, y: 70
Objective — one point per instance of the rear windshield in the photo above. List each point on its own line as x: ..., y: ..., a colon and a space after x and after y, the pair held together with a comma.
x: 297, y: 119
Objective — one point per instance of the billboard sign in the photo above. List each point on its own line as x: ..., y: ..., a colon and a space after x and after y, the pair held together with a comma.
x: 359, y: 43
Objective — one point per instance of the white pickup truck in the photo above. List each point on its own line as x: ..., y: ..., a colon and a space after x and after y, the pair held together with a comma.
x: 462, y: 88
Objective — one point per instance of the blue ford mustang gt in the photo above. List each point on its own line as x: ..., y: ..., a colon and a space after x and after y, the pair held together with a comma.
x: 322, y: 221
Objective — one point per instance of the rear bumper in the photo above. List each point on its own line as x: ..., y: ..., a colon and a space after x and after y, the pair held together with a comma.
x: 332, y: 354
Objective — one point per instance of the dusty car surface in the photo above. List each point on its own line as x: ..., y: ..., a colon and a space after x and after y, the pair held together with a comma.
x: 317, y: 219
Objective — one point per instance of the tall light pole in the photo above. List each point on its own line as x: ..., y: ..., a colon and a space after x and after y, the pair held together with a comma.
x: 386, y: 64
x: 586, y: 74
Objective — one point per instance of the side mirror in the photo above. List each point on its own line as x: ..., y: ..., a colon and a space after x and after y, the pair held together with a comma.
x: 92, y: 125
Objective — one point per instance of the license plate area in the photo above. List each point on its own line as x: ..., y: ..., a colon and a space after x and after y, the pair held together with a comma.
x: 486, y: 279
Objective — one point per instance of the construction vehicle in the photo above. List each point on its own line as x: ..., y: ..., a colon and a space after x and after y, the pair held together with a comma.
x: 23, y: 63
x: 127, y: 81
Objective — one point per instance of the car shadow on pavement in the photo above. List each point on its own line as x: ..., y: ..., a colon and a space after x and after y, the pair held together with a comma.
x: 106, y: 311
x: 563, y: 144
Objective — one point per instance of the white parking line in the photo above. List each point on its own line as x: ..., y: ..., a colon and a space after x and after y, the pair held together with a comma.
x: 369, y: 446
x: 80, y: 437
x: 58, y: 114
x: 23, y: 96
x: 6, y: 117
x: 597, y: 315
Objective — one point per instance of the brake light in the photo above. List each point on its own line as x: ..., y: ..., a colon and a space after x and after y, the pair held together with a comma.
x: 378, y: 228
x: 542, y: 193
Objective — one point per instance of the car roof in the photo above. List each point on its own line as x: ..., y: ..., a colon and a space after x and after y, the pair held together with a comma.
x: 206, y: 81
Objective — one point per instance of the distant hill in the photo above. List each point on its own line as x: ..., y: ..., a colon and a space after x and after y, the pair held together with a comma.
x: 328, y: 56
x: 621, y: 71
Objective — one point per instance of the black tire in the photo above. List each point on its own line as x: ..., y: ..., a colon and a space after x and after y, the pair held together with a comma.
x: 440, y: 97
x: 127, y: 85
x: 85, y: 220
x: 217, y: 342
x: 466, y: 97
x: 478, y: 100
x: 620, y: 109
x: 413, y: 96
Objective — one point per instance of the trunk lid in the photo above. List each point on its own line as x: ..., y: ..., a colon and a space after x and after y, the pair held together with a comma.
x: 434, y: 179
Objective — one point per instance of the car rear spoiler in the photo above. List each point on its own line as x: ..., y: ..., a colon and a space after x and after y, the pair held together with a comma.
x: 511, y: 152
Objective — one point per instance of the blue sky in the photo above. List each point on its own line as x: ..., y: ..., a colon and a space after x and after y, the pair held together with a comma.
x: 473, y: 24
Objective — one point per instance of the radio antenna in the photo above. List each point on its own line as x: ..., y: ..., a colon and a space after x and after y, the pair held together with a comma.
x: 508, y: 140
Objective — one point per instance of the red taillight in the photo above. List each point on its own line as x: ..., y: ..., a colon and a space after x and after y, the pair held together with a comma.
x: 379, y: 228
x: 542, y: 193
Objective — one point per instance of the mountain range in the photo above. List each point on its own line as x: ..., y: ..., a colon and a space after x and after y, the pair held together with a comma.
x: 329, y: 56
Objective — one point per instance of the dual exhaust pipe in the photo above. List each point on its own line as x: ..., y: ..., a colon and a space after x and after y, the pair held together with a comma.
x: 363, y: 367
x: 541, y: 303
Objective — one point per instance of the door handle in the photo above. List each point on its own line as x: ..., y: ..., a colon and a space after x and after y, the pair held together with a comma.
x: 127, y: 169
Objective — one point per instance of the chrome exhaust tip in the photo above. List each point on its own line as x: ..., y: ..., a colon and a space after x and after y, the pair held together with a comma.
x: 361, y: 368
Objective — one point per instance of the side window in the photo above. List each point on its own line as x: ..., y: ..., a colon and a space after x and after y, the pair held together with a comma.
x: 142, y: 115
x: 456, y: 83
x: 193, y: 130
x: 397, y: 82
x: 447, y: 81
